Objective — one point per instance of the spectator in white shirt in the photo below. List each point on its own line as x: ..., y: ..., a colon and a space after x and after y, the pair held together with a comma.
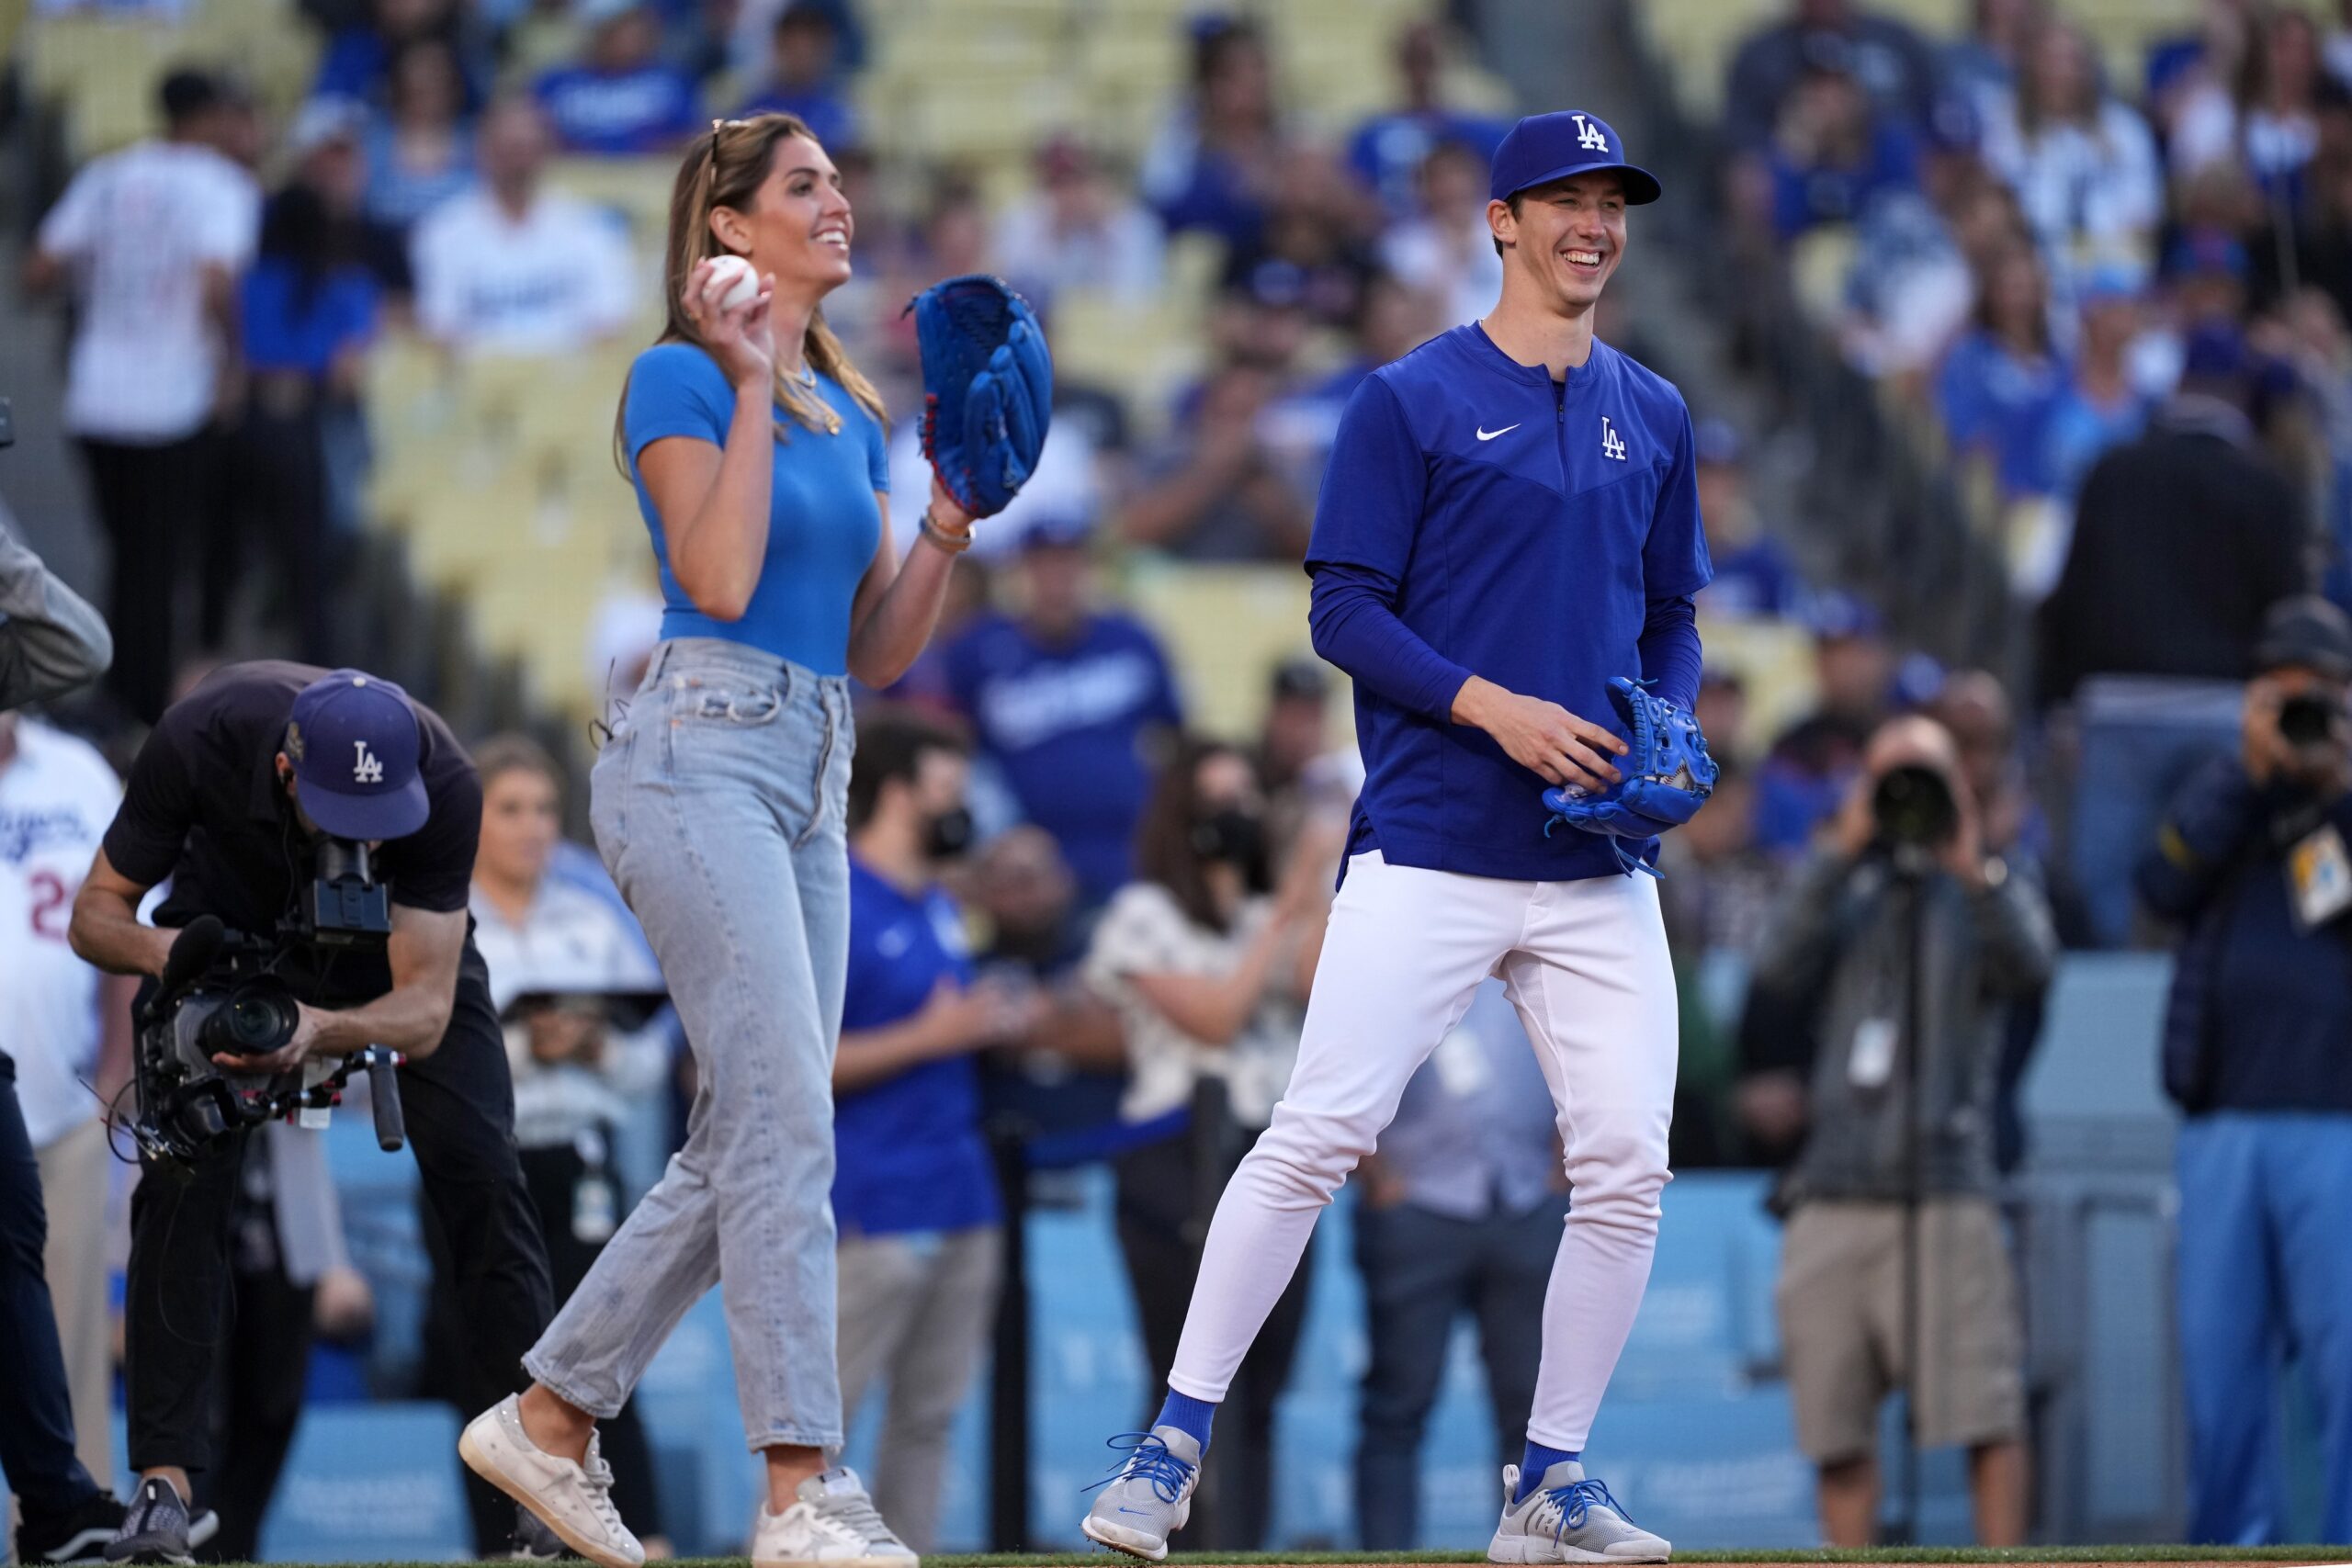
x: 511, y: 269
x: 1077, y: 229
x: 65, y: 1027
x: 2084, y: 165
x: 152, y: 239
x: 1448, y: 251
x: 2268, y: 118
x: 577, y: 1078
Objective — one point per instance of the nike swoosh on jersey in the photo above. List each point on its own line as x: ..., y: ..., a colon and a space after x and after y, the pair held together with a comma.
x: 1486, y: 435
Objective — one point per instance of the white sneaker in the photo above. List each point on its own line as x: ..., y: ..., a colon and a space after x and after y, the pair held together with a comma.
x: 833, y: 1523
x: 1149, y: 1497
x: 1569, y: 1519
x: 575, y: 1501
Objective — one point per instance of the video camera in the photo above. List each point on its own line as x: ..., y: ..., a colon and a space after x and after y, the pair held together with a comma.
x: 221, y: 995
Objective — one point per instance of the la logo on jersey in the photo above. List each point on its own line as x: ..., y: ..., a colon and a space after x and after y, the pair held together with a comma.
x: 1611, y: 444
x: 1589, y: 135
x: 367, y: 768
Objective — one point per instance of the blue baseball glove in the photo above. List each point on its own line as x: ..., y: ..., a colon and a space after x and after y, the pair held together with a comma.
x: 987, y: 389
x: 1669, y: 776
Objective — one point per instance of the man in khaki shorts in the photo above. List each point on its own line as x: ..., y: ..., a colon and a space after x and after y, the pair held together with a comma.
x: 1844, y: 936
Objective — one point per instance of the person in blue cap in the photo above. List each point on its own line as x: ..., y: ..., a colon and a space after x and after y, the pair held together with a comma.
x: 1509, y: 520
x: 232, y: 787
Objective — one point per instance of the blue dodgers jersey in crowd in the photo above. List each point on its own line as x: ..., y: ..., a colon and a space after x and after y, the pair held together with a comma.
x: 908, y: 1151
x: 1065, y: 727
x: 824, y: 523
x: 1528, y: 527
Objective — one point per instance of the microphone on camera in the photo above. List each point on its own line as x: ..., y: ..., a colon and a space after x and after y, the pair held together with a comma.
x: 193, y: 950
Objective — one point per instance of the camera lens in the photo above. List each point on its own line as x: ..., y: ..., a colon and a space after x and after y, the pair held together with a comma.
x: 1912, y: 805
x: 2304, y: 721
x: 258, y: 1018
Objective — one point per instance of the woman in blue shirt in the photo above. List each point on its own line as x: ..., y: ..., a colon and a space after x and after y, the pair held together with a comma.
x: 757, y: 451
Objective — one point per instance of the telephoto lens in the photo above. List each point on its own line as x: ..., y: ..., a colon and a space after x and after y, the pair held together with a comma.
x: 1913, y: 808
x: 259, y: 1017
x: 2305, y: 720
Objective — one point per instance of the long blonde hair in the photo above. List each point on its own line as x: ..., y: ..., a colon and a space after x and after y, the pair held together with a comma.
x: 724, y: 167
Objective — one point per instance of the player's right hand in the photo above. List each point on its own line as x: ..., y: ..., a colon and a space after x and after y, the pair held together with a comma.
x: 1543, y: 737
x: 743, y: 340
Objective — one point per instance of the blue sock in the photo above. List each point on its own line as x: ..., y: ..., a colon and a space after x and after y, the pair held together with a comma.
x: 1537, y: 1459
x: 1189, y: 1415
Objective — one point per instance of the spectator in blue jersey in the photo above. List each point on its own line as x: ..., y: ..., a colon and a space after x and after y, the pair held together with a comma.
x: 1214, y: 167
x: 1063, y: 700
x: 421, y: 148
x: 1386, y: 150
x: 2002, y: 380
x: 1894, y: 62
x: 623, y: 98
x: 2102, y: 405
x: 804, y: 76
x: 1755, y: 577
x: 2250, y: 862
x: 914, y: 1191
x: 358, y: 60
x: 1830, y: 155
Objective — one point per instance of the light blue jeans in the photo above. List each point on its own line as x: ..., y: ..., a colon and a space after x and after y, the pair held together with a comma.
x: 719, y: 806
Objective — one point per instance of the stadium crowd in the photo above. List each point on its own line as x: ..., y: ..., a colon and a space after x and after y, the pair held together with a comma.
x: 2113, y: 306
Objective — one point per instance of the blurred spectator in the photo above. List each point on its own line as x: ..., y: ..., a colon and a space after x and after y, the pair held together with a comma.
x: 153, y: 238
x: 1717, y: 894
x: 1755, y: 577
x: 510, y: 267
x: 2084, y: 165
x: 1460, y: 1214
x: 1298, y: 428
x: 2267, y: 117
x: 2251, y: 862
x: 1077, y: 229
x: 1065, y: 698
x: 2002, y: 380
x: 359, y: 58
x: 1217, y: 489
x: 1721, y: 709
x: 1307, y: 778
x: 1983, y: 64
x: 1447, y: 251
x: 1215, y: 166
x: 623, y: 98
x: 1851, y: 932
x: 420, y: 152
x: 571, y: 978
x: 2209, y: 271
x: 914, y: 1189
x: 803, y: 76
x: 1067, y: 1072
x: 1832, y: 152
x: 2103, y: 405
x: 1892, y: 62
x: 65, y: 1025
x: 1207, y: 964
x: 1319, y: 225
x: 1912, y: 285
x: 1388, y: 151
x: 2182, y: 539
x: 753, y: 30
x: 1812, y: 762
x: 309, y: 311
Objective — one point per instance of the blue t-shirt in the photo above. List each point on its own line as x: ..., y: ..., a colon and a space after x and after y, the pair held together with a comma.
x: 617, y: 113
x: 284, y: 331
x: 1065, y: 725
x: 1528, y: 527
x: 1991, y: 400
x: 824, y: 523
x: 908, y: 1151
x: 1388, y: 150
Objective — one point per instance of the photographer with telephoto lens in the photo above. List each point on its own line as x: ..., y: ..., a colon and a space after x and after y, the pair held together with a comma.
x: 2250, y: 862
x: 329, y: 824
x: 1900, y: 922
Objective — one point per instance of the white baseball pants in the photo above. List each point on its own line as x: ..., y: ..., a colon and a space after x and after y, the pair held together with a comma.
x: 1586, y: 965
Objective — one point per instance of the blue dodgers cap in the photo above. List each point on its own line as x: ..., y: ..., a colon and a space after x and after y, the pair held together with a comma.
x: 355, y: 743
x: 1546, y: 147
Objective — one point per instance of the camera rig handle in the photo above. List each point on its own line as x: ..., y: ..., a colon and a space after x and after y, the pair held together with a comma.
x: 384, y: 1099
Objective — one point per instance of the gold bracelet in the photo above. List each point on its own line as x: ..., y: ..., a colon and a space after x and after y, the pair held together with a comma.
x: 953, y: 544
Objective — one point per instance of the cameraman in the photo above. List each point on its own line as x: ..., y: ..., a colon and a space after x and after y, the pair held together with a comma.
x: 229, y: 797
x: 1906, y: 847
x: 2258, y: 1051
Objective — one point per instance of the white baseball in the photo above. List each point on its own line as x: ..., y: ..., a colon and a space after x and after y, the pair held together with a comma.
x: 739, y: 281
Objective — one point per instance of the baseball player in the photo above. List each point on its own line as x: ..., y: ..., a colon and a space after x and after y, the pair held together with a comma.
x: 1508, y: 523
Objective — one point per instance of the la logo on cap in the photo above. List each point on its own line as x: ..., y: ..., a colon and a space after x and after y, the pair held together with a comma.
x: 1590, y: 136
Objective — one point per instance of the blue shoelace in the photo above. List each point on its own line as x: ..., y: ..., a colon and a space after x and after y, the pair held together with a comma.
x: 1576, y: 1502
x: 1148, y: 1459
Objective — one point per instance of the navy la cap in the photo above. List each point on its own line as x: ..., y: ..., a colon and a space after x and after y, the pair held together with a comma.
x: 1546, y: 147
x: 355, y: 743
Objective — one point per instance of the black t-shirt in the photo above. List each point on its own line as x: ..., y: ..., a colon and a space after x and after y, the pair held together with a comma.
x: 204, y: 808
